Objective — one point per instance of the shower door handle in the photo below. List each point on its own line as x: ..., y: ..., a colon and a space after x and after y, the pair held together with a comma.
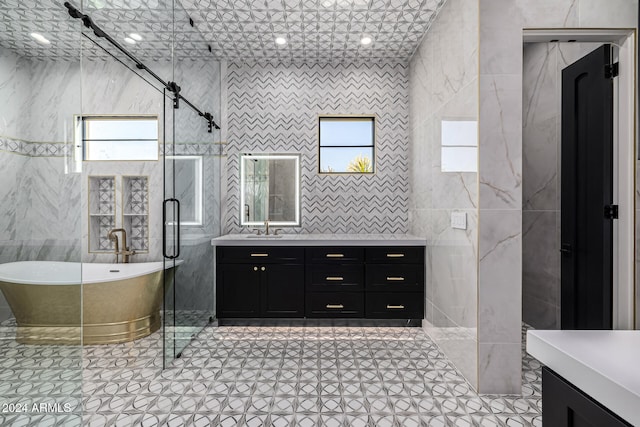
x: 164, y: 229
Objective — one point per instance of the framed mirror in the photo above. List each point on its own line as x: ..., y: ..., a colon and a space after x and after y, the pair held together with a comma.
x: 270, y: 189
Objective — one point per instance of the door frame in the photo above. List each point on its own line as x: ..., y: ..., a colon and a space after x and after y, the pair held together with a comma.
x: 625, y: 294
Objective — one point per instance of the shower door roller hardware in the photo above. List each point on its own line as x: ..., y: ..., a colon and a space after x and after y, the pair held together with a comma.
x: 611, y: 211
x: 566, y: 248
x: 176, y: 224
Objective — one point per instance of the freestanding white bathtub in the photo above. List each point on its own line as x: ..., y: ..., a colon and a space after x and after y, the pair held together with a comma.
x: 73, y: 303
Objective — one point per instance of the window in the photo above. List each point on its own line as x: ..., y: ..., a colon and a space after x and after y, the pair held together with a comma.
x: 347, y: 144
x: 459, y: 146
x: 119, y: 137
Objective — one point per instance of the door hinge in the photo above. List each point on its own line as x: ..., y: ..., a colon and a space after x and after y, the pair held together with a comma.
x: 611, y: 70
x: 611, y: 211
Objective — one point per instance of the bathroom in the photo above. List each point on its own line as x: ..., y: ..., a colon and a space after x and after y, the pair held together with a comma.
x: 422, y: 77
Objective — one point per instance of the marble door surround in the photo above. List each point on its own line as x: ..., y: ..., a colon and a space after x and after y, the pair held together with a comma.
x: 502, y: 25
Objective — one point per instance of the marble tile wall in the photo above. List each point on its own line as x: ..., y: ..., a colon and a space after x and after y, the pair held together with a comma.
x: 48, y: 219
x: 443, y: 85
x: 276, y: 108
x: 501, y: 171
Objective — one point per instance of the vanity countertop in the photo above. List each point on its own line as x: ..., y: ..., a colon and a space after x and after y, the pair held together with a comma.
x: 603, y: 364
x: 319, y: 240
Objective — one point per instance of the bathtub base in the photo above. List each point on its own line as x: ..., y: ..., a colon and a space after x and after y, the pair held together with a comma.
x: 48, y: 335
x: 106, y: 333
x: 113, y: 333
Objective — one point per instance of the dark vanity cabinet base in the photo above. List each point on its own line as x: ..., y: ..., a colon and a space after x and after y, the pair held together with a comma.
x: 564, y: 405
x: 260, y: 282
x: 320, y: 283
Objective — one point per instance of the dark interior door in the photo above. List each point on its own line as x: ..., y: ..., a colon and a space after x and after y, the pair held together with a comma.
x: 587, y: 192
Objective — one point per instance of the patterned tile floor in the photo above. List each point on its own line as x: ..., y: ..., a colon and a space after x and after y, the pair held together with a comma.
x: 255, y: 376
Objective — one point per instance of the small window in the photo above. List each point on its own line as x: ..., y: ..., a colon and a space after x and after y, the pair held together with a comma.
x: 119, y: 137
x: 347, y: 144
x: 459, y: 146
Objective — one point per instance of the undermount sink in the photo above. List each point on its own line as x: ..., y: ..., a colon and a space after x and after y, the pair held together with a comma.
x: 255, y: 236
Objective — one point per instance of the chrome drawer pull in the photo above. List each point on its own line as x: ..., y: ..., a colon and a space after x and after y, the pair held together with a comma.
x: 395, y: 255
x: 335, y: 306
x: 337, y: 278
x: 395, y: 307
x: 335, y: 255
x: 259, y: 255
x: 395, y: 279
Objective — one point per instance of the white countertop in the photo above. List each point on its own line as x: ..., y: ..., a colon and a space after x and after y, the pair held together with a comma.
x: 320, y: 240
x: 603, y: 364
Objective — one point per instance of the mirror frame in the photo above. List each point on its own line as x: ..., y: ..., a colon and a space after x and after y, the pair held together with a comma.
x: 267, y: 156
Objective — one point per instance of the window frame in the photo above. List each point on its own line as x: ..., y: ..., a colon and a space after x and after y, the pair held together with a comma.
x: 349, y: 117
x: 81, y: 148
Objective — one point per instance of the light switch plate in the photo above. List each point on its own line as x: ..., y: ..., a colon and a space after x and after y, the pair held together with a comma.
x: 459, y: 220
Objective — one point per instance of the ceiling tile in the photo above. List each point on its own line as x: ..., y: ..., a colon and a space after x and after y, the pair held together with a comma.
x: 319, y: 31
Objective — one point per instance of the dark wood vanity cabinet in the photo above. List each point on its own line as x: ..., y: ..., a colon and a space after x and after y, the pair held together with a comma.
x: 564, y: 405
x: 395, y: 283
x: 335, y: 282
x: 263, y: 282
x: 320, y: 282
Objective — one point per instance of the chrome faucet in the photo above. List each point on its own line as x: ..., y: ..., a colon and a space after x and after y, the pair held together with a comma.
x: 126, y: 253
x: 266, y: 227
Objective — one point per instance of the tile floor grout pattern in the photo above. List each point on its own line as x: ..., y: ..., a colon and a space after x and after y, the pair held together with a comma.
x: 256, y: 376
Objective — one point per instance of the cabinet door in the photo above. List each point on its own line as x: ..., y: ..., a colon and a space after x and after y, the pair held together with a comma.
x: 340, y: 277
x: 395, y: 278
x: 282, y: 290
x: 238, y: 290
x: 564, y: 405
x: 394, y: 305
x: 335, y: 304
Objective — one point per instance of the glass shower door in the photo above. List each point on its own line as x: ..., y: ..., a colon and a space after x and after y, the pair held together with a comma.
x: 191, y: 205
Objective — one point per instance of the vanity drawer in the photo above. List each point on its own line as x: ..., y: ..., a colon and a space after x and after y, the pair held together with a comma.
x: 335, y: 255
x: 323, y: 278
x: 396, y: 255
x: 259, y: 254
x: 335, y: 304
x: 395, y: 305
x: 395, y: 277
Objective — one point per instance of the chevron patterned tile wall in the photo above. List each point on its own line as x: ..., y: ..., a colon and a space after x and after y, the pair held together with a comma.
x: 276, y: 108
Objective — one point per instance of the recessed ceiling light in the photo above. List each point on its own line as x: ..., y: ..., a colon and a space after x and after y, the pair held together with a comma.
x: 129, y: 40
x: 40, y: 38
x: 137, y: 37
x: 366, y: 40
x: 281, y: 40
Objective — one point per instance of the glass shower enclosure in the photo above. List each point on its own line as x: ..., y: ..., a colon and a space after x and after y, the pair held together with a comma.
x: 62, y: 214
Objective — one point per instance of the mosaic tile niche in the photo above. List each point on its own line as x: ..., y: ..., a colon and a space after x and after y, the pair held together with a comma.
x: 135, y: 211
x: 102, y: 208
